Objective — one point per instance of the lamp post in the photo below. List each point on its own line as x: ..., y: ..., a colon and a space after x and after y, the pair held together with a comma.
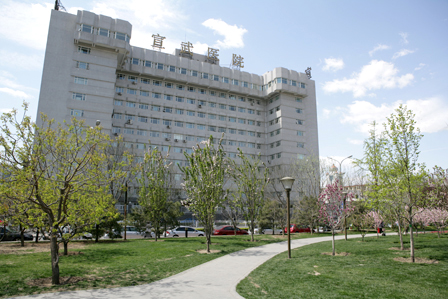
x: 342, y: 185
x: 287, y: 184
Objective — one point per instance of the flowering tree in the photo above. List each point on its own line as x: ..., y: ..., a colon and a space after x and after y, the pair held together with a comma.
x: 204, y: 182
x: 377, y: 219
x: 332, y: 212
x: 436, y: 216
x: 361, y: 217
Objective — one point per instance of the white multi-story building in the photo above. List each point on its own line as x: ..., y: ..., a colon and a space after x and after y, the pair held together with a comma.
x: 92, y: 72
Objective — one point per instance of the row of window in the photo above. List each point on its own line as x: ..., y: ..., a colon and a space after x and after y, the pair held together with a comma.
x: 104, y: 32
x: 193, y: 73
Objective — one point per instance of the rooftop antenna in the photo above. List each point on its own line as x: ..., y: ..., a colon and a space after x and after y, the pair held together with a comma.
x: 58, y: 5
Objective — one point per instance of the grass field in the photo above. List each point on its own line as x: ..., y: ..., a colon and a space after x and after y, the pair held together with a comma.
x: 112, y: 263
x: 369, y: 271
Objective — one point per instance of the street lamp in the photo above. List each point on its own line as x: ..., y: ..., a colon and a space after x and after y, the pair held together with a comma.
x: 287, y: 184
x: 342, y: 185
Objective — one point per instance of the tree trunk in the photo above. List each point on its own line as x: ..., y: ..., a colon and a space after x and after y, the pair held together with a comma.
x: 412, y: 242
x: 96, y: 233
x: 22, y: 238
x: 37, y: 235
x: 54, y: 258
x: 400, y: 233
x: 332, y: 243
x: 65, y: 247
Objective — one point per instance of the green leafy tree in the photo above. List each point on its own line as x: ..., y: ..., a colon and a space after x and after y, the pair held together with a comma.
x: 204, y: 182
x: 307, y: 212
x: 250, y: 177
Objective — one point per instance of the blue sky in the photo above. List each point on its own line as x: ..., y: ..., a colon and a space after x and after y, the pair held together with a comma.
x: 366, y: 56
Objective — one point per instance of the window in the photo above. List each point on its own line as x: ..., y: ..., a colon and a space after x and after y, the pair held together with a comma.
x: 189, y: 138
x: 140, y: 145
x: 156, y: 82
x: 258, y: 112
x: 232, y: 155
x: 83, y: 50
x: 241, y: 132
x: 135, y: 61
x: 168, y: 97
x: 201, y: 102
x: 232, y: 119
x: 194, y: 73
x: 130, y: 104
x: 191, y: 89
x: 86, y: 28
x: 155, y: 121
x: 117, y: 115
x: 245, y: 84
x: 180, y: 87
x: 301, y: 144
x: 299, y: 122
x: 144, y: 93
x: 129, y: 117
x: 191, y: 101
x: 302, y: 85
x: 251, y: 145
x: 225, y: 80
x: 293, y: 83
x: 235, y: 82
x: 212, y: 116
x: 242, y: 144
x: 156, y: 95
x: 259, y: 135
x: 179, y: 124
x: 116, y: 130
x: 232, y: 97
x: 278, y: 143
x: 232, y: 131
x: 277, y: 108
x: 141, y: 132
x: 241, y: 109
x: 298, y: 110
x: 222, y: 106
x: 118, y: 103
x: 180, y: 99
x: 144, y: 80
x: 160, y: 66
x: 277, y: 132
x: 177, y: 150
x: 300, y: 133
x: 133, y: 79
x: 259, y: 123
x: 79, y: 96
x: 222, y: 95
x: 154, y: 134
x: 121, y: 36
x: 171, y: 68
x: 222, y: 117
x: 202, y: 91
x: 179, y: 111
x: 241, y: 121
x: 165, y: 148
x: 251, y: 122
x: 178, y: 136
x: 204, y: 76
x: 279, y: 155
x: 142, y: 119
x: 299, y: 100
x: 232, y: 108
x: 250, y: 111
x: 189, y: 126
x: 241, y: 99
x: 143, y: 106
x: 200, y: 127
x: 221, y: 129
x: 212, y: 93
x: 201, y: 114
x: 232, y: 142
x: 128, y: 131
x: 148, y: 63
x: 80, y: 80
x: 211, y: 104
x: 212, y: 128
x: 75, y: 112
x: 166, y: 122
x: 190, y: 113
x: 82, y: 65
x: 155, y: 108
x: 271, y: 111
x: 167, y: 109
x: 183, y: 71
x: 131, y: 91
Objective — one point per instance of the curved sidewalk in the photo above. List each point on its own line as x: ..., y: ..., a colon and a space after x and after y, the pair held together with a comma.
x: 215, y: 279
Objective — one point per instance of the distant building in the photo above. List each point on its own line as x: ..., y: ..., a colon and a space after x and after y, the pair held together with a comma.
x: 93, y: 73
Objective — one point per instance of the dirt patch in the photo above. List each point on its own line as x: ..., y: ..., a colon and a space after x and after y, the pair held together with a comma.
x: 315, y: 273
x: 46, y: 282
x: 418, y: 260
x: 337, y: 253
x: 211, y: 251
x: 158, y: 240
x: 32, y: 247
x: 398, y: 248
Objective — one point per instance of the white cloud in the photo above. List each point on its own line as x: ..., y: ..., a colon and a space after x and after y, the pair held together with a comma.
x: 377, y: 74
x: 14, y: 93
x: 333, y: 64
x: 355, y: 141
x: 326, y: 113
x: 26, y: 24
x: 18, y: 60
x: 430, y: 114
x: 404, y: 37
x: 233, y: 35
x: 420, y: 66
x: 401, y: 53
x: 380, y: 47
x: 8, y: 85
x: 201, y: 48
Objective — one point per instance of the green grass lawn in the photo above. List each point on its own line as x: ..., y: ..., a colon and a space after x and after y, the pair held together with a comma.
x: 369, y: 271
x: 117, y: 263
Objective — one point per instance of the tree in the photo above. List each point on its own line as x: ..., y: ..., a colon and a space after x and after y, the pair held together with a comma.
x: 332, y: 211
x: 59, y: 169
x: 154, y: 185
x: 308, y: 212
x: 204, y: 182
x: 361, y: 218
x: 272, y: 214
x: 250, y: 176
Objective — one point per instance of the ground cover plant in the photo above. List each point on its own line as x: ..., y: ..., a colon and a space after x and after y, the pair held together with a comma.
x: 369, y: 269
x: 110, y: 263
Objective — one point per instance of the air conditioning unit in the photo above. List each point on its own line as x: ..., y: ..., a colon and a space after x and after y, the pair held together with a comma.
x: 133, y: 82
x: 119, y: 93
x: 167, y: 139
x: 199, y: 106
x: 185, y: 141
x: 164, y: 110
x: 175, y: 140
x: 251, y: 104
x: 168, y: 127
x: 115, y: 134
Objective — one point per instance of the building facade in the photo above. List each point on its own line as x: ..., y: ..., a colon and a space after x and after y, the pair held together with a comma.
x: 92, y: 72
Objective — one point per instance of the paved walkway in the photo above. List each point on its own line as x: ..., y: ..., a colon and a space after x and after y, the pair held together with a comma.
x: 215, y: 279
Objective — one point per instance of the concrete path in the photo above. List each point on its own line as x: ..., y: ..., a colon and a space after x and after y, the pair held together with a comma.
x: 215, y: 279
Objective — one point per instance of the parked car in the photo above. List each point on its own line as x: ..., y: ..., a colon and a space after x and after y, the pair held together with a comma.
x: 8, y: 235
x: 298, y: 229
x: 180, y: 232
x: 114, y: 234
x: 267, y: 231
x: 324, y: 229
x: 229, y: 230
